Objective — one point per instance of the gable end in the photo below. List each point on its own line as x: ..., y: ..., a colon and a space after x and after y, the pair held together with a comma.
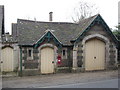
x: 98, y: 20
x: 48, y: 35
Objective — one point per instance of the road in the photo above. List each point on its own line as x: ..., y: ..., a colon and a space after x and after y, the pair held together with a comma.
x: 71, y: 80
x: 0, y: 81
x: 113, y: 83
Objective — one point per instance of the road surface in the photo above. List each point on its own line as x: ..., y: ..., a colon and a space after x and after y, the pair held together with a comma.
x: 106, y: 79
x: 113, y: 83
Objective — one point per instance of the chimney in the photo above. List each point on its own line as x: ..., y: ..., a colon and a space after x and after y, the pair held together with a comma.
x: 50, y: 16
x: 7, y: 35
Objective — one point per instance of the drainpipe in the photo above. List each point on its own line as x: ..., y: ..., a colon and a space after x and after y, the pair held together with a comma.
x: 20, y: 61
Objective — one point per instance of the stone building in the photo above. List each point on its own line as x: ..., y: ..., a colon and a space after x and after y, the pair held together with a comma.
x: 37, y: 47
x: 50, y: 47
x: 9, y: 54
x: 1, y: 28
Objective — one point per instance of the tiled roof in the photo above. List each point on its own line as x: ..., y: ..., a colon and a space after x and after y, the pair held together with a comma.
x: 29, y: 32
x: 8, y: 39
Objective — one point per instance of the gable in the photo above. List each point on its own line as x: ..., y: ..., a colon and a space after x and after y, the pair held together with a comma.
x: 48, y: 36
x: 99, y: 29
x: 98, y: 26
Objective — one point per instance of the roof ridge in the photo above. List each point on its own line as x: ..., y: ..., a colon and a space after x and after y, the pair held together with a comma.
x: 56, y: 22
x: 94, y: 16
x: 46, y: 21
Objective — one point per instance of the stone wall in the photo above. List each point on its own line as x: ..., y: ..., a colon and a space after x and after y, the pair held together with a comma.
x: 34, y: 62
x: 111, y: 51
x: 66, y: 60
x: 0, y: 55
x: 30, y: 63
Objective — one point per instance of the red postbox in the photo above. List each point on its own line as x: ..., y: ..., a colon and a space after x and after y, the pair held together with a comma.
x: 59, y: 59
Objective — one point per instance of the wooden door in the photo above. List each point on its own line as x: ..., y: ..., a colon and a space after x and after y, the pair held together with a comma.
x: 94, y: 54
x: 7, y: 59
x: 47, y: 58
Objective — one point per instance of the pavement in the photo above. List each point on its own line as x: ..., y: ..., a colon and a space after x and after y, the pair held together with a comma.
x: 41, y: 81
x: 0, y: 81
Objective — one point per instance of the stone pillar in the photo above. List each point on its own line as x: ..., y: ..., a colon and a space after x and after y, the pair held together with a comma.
x: 0, y: 67
x: 74, y: 58
x: 116, y: 56
x: 0, y: 57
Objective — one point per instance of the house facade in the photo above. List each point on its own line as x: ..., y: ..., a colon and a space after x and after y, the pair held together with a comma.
x: 50, y: 47
x: 9, y: 55
x: 1, y: 28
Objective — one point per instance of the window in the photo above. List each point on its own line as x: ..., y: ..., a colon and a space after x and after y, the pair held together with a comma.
x: 29, y: 53
x: 64, y: 53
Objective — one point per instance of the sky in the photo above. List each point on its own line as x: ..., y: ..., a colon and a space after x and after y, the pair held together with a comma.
x: 62, y: 10
x: 119, y: 12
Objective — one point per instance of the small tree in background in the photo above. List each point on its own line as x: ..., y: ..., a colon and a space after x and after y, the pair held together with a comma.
x: 116, y: 32
x: 84, y: 10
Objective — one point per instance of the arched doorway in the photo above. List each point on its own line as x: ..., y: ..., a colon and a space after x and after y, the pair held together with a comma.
x: 7, y: 59
x: 47, y: 60
x: 94, y: 54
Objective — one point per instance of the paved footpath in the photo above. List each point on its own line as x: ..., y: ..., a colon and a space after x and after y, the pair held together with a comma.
x: 0, y: 81
x: 57, y: 79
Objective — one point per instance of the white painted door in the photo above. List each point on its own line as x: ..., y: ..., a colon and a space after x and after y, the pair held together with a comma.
x: 47, y: 57
x: 7, y: 59
x: 94, y: 54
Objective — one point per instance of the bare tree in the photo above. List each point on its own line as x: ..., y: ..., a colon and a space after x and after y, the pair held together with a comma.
x: 84, y: 10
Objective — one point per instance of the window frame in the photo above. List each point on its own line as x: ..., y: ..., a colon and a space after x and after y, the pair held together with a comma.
x: 30, y: 57
x: 64, y: 53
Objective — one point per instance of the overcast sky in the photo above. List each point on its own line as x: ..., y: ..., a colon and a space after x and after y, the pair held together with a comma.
x: 62, y: 10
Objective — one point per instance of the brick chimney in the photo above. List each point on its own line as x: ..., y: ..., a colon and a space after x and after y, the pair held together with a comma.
x: 50, y: 16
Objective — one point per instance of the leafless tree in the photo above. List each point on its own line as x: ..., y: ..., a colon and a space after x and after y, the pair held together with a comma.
x: 84, y: 10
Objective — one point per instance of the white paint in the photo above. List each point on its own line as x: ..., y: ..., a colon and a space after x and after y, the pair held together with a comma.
x: 7, y: 58
x: 47, y: 57
x: 94, y: 54
x: 101, y: 37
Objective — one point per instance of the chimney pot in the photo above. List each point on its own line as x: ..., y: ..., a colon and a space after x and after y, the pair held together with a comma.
x: 50, y: 16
